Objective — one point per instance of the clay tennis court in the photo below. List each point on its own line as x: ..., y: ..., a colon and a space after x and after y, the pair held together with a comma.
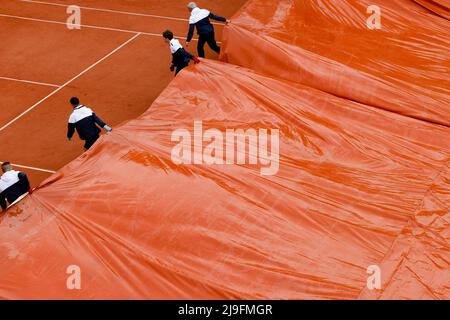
x: 356, y: 99
x: 117, y: 63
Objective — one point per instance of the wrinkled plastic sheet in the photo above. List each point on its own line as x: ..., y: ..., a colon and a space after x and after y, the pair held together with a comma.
x: 357, y: 186
x: 403, y: 67
x: 439, y: 7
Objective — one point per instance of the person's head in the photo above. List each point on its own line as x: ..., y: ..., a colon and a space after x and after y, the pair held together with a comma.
x: 191, y: 6
x: 6, y: 166
x: 167, y: 35
x: 75, y: 102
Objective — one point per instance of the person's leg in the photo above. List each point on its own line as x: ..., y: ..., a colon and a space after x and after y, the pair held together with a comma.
x: 211, y: 39
x: 90, y: 142
x: 24, y: 183
x: 201, y: 46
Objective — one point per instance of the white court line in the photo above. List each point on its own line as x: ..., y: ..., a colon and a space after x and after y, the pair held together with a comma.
x: 83, y: 25
x: 109, y: 10
x: 68, y: 82
x: 115, y: 11
x: 31, y: 168
x: 32, y: 82
x: 92, y: 27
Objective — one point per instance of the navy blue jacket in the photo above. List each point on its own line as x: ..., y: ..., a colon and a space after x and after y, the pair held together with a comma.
x: 204, y: 26
x: 13, y: 184
x: 181, y: 57
x: 85, y: 122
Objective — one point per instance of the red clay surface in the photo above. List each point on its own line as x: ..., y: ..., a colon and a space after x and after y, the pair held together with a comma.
x: 37, y: 46
x: 15, y: 97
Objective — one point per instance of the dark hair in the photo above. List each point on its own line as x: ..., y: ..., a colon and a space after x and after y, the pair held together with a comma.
x: 74, y: 101
x: 4, y: 165
x: 168, y: 34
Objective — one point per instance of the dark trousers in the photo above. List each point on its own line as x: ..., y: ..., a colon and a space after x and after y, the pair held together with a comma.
x: 90, y: 142
x: 207, y: 38
x: 181, y: 67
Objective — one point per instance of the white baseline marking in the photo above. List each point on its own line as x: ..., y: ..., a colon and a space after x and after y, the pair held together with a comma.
x: 31, y: 168
x: 91, y: 27
x: 31, y: 82
x: 83, y: 25
x: 68, y: 82
x: 115, y: 11
x: 109, y: 10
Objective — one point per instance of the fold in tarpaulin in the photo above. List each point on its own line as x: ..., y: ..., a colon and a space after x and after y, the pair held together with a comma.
x: 440, y: 7
x: 356, y: 186
x: 402, y: 67
x: 417, y: 263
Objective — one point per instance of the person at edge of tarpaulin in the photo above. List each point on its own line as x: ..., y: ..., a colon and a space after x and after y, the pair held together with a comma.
x: 200, y: 19
x: 85, y: 122
x: 180, y: 57
x: 13, y: 185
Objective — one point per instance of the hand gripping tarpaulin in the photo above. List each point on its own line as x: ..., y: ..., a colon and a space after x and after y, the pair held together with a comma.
x: 357, y: 186
x: 403, y: 66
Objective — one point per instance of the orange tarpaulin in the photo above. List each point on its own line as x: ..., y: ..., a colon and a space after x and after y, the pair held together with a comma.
x: 440, y: 7
x: 356, y: 187
x: 403, y: 67
x: 355, y: 183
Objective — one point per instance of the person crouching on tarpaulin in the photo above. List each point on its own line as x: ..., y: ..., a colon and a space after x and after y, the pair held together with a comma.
x: 13, y: 185
x: 180, y: 57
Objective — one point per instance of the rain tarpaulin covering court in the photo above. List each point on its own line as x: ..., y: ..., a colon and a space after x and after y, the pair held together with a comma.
x: 359, y: 178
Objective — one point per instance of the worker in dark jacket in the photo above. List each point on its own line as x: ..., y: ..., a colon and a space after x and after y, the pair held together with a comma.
x: 180, y: 57
x: 85, y: 122
x: 13, y: 184
x: 200, y: 19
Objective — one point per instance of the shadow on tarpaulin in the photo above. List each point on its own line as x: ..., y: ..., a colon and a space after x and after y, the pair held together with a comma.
x: 363, y: 178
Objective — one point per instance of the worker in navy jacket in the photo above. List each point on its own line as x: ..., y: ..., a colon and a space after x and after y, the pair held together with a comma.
x: 200, y: 19
x: 86, y: 123
x: 13, y: 184
x: 180, y: 57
